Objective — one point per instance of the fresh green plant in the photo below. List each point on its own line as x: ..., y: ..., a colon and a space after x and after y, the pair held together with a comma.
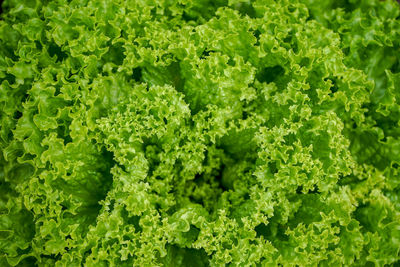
x: 200, y: 133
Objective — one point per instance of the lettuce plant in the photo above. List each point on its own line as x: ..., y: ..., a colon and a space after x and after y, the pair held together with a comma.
x: 200, y: 133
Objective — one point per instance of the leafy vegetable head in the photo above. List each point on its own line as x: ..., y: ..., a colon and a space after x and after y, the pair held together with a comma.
x: 199, y: 133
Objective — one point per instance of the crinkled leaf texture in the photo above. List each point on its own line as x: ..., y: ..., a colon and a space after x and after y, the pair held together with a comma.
x: 200, y: 133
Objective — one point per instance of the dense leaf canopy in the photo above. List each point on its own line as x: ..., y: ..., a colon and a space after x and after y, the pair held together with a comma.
x: 200, y: 133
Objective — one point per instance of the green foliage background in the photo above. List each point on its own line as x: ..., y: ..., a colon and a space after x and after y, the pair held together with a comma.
x: 199, y: 133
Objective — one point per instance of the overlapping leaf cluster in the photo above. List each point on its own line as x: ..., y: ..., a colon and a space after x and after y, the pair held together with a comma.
x: 199, y: 133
